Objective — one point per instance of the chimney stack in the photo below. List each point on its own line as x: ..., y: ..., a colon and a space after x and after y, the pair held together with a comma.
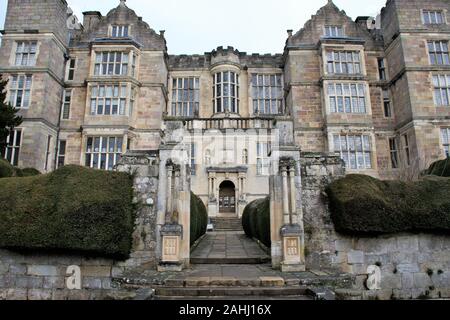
x: 90, y: 19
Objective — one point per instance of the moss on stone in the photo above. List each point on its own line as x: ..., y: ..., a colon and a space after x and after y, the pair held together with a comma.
x: 72, y: 209
x: 364, y: 205
x: 256, y: 220
x: 199, y: 218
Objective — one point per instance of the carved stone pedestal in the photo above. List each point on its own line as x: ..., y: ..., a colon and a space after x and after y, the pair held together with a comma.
x: 171, y: 241
x: 293, y: 251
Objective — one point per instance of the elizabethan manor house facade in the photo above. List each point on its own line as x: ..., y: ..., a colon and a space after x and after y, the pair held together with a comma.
x: 374, y: 90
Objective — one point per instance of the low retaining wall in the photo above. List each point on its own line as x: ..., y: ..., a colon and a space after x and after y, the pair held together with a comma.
x: 44, y: 276
x: 412, y: 265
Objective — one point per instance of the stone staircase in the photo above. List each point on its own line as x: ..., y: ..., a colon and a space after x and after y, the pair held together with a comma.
x: 228, y: 288
x: 227, y: 224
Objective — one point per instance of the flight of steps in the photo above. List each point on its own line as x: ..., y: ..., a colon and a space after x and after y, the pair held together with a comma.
x: 222, y: 288
x: 227, y: 224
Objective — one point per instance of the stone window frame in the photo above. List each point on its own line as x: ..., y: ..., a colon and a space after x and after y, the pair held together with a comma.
x: 92, y: 153
x: 96, y: 95
x: 445, y: 140
x: 119, y: 27
x: 61, y: 154
x: 367, y: 153
x: 70, y: 70
x: 263, y: 92
x: 343, y: 54
x: 424, y: 12
x: 388, y: 110
x: 28, y: 53
x: 12, y: 150
x: 438, y: 52
x: 336, y: 27
x: 406, y: 148
x: 262, y: 158
x: 100, y: 64
x: 17, y: 88
x: 382, y: 69
x: 344, y: 97
x: 232, y: 96
x: 394, y: 152
x: 66, y: 104
x: 443, y: 87
x: 245, y: 156
x: 188, y: 99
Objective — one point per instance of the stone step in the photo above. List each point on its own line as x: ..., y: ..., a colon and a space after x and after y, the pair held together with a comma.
x: 231, y: 282
x: 249, y: 260
x: 227, y: 224
x: 230, y: 292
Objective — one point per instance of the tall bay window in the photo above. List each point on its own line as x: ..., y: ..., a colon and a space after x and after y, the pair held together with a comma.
x: 343, y: 62
x: 347, y: 97
x: 12, y: 150
x: 103, y: 152
x: 441, y: 85
x: 19, y: 91
x: 111, y: 63
x: 355, y: 150
x: 445, y: 132
x: 226, y: 92
x: 185, y: 97
x: 108, y: 99
x: 267, y: 93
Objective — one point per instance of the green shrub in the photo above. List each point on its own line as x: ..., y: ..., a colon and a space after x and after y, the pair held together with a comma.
x: 256, y: 220
x: 27, y: 172
x: 6, y: 169
x: 199, y: 218
x: 440, y: 168
x: 363, y: 205
x: 73, y: 209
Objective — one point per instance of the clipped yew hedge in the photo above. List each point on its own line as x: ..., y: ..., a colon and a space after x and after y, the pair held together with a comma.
x: 73, y: 209
x: 256, y: 220
x: 440, y: 168
x: 199, y: 218
x: 7, y: 170
x: 360, y: 204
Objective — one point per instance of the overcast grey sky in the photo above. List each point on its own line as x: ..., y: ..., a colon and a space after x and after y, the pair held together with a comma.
x: 197, y: 26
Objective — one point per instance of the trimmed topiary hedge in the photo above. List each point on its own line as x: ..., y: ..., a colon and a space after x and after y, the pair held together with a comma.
x: 440, y: 168
x: 363, y: 205
x: 7, y: 170
x: 73, y: 209
x: 199, y: 218
x: 256, y: 220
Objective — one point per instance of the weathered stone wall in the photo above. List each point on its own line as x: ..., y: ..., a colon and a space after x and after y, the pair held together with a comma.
x: 42, y: 276
x: 412, y: 265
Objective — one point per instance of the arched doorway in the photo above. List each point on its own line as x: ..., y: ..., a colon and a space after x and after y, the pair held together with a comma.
x: 227, y: 198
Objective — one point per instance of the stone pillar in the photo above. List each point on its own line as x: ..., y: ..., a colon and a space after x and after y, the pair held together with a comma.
x: 293, y: 216
x: 286, y: 231
x: 169, y: 200
x: 212, y: 200
x: 172, y: 231
x: 286, y: 213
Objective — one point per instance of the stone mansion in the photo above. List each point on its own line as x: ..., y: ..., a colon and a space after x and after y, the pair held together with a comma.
x: 374, y: 90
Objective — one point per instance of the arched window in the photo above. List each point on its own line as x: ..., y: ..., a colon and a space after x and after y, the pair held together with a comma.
x: 245, y: 156
x: 226, y: 92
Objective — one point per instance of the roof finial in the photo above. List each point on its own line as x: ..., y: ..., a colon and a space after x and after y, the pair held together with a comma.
x: 122, y: 2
